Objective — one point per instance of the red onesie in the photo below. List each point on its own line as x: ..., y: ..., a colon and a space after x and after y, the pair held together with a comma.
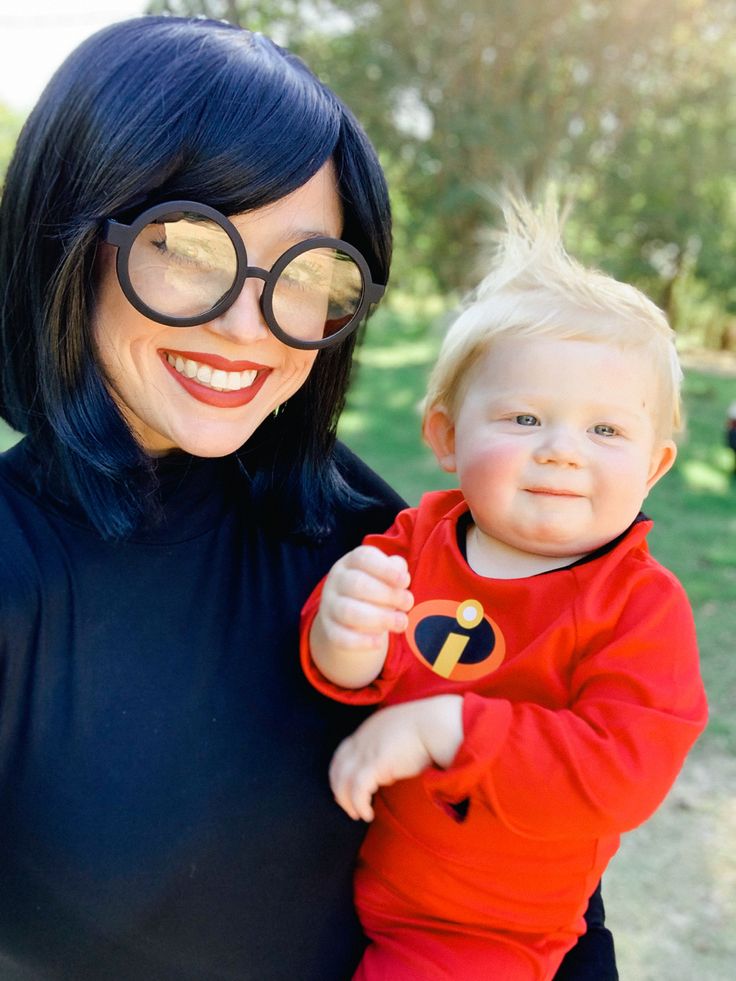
x: 582, y: 697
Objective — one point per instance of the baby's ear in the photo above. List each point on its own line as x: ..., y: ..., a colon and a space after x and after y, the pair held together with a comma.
x: 663, y: 457
x: 439, y: 433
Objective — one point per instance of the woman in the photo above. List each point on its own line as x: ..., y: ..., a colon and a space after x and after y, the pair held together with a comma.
x: 192, y: 228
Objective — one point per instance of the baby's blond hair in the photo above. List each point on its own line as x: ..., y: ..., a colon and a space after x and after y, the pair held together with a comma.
x: 535, y: 289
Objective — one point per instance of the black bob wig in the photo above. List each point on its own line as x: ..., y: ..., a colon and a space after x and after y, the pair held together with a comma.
x: 149, y: 110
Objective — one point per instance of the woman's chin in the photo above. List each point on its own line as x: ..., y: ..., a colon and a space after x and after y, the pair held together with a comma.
x: 203, y: 441
x: 212, y: 448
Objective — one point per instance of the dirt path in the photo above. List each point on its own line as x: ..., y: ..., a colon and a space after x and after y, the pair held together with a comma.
x: 671, y: 890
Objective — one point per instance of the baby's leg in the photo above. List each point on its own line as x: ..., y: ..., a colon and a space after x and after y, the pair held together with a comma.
x: 401, y: 952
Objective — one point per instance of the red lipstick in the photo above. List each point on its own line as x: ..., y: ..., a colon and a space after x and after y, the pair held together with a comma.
x: 215, y: 361
x: 209, y: 396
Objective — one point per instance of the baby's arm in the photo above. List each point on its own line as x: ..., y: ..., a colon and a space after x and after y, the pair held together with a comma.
x: 364, y: 598
x: 397, y: 742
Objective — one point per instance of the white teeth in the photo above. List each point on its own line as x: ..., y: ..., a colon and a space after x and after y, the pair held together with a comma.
x: 216, y: 378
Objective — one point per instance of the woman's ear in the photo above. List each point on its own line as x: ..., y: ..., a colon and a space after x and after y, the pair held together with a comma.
x: 663, y: 456
x: 439, y: 433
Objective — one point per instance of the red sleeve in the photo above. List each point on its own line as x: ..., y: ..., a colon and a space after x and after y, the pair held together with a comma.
x: 396, y: 541
x: 603, y: 764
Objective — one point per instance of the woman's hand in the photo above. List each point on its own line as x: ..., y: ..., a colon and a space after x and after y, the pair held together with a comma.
x: 365, y: 597
x: 397, y: 742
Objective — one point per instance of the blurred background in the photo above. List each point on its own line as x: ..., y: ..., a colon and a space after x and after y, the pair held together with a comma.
x: 629, y: 107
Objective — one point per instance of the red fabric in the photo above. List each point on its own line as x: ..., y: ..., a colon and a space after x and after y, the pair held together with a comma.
x: 575, y: 736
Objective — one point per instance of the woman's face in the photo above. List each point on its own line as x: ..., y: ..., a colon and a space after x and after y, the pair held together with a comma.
x: 168, y: 381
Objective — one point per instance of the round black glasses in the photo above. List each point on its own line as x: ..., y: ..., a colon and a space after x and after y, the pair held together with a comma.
x: 182, y: 263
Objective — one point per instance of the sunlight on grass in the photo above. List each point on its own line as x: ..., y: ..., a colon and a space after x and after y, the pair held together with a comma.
x: 412, y: 352
x: 412, y: 306
x: 722, y: 554
x: 702, y: 476
x: 352, y: 424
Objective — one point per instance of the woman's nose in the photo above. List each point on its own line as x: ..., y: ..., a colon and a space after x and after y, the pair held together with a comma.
x: 243, y: 322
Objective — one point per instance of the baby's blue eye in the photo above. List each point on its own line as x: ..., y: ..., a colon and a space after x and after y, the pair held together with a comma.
x: 526, y: 420
x: 602, y: 429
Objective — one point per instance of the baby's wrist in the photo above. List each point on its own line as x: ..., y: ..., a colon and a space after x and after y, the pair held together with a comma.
x: 347, y: 666
x: 441, y: 728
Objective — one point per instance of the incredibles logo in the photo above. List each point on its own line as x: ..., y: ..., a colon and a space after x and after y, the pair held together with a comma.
x: 456, y: 642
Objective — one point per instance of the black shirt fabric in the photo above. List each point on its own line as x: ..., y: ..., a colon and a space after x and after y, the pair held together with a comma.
x: 165, y: 813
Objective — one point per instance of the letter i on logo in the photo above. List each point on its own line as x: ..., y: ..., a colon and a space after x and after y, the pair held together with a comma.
x: 457, y: 642
x: 469, y: 614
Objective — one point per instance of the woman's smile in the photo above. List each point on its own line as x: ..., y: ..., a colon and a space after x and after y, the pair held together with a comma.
x: 215, y: 380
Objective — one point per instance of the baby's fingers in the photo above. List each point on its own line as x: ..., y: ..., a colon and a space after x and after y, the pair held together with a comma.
x: 362, y: 802
x: 354, y: 635
x: 370, y: 575
x: 355, y: 802
x: 349, y: 613
x: 390, y: 569
x: 353, y: 784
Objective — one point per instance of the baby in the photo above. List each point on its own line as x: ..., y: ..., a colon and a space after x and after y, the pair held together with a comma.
x: 541, y: 679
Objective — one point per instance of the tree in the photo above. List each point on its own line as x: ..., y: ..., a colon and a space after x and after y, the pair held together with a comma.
x: 632, y: 102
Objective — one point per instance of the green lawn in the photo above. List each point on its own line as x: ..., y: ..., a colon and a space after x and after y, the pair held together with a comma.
x: 694, y: 507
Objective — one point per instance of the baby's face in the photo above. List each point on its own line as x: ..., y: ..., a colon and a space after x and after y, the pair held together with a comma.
x: 554, y: 444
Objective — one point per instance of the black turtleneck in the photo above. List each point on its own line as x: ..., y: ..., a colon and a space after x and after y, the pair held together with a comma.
x: 164, y: 807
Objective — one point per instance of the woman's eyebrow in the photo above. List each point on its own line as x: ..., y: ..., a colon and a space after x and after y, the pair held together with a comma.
x: 304, y: 234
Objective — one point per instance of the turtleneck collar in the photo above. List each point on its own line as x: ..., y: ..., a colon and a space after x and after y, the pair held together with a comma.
x: 192, y: 496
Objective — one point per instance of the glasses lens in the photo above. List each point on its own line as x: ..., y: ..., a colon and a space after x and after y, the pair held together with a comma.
x: 182, y: 264
x: 317, y: 294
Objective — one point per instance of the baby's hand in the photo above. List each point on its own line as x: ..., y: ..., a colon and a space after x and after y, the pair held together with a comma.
x: 364, y: 598
x: 396, y: 743
x: 387, y: 747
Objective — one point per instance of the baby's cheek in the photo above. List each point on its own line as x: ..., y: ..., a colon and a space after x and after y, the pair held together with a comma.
x: 482, y: 465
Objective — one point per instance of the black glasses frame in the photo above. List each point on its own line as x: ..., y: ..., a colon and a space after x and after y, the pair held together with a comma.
x: 122, y: 237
